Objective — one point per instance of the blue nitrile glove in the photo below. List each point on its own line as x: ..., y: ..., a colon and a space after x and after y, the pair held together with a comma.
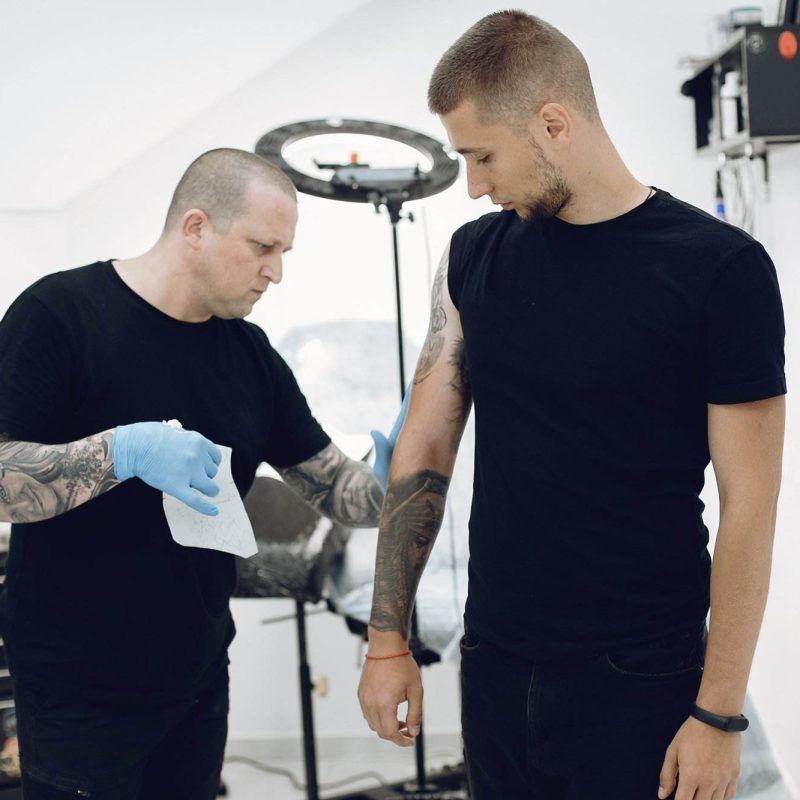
x: 385, y: 447
x: 172, y: 460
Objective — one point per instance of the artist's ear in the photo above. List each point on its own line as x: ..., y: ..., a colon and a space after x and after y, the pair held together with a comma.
x: 194, y: 226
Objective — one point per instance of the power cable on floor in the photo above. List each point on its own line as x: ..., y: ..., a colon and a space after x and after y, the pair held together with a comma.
x: 290, y: 776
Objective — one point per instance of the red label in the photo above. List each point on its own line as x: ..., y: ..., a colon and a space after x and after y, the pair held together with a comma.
x: 787, y: 45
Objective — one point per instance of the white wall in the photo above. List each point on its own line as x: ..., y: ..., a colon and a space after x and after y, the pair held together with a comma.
x: 375, y: 65
x: 31, y: 245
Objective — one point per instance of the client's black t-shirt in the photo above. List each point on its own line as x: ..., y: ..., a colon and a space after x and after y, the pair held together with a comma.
x: 101, y: 599
x: 593, y: 351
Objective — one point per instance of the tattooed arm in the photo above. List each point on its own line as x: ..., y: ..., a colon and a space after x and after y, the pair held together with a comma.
x: 40, y: 481
x: 343, y: 489
x: 412, y: 513
x: 422, y: 464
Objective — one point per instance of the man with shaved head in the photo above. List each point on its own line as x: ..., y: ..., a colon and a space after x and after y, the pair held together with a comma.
x: 116, y: 635
x: 613, y: 341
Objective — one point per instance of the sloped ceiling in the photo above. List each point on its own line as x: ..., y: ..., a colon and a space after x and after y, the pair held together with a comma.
x: 85, y: 85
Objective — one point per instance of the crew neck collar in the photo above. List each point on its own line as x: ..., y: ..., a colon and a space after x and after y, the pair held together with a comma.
x: 608, y: 224
x: 117, y: 278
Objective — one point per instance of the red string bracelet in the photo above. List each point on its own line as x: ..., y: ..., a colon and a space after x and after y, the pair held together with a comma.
x: 381, y: 658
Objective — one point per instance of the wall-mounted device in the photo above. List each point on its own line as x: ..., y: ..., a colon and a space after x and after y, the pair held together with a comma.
x: 748, y: 95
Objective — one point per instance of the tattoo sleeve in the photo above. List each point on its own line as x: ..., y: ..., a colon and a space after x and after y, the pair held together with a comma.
x: 41, y: 481
x: 412, y: 515
x: 345, y: 490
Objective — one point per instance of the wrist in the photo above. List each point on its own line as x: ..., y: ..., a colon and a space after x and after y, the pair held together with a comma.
x: 383, y: 643
x: 729, y: 723
x: 724, y: 703
x: 119, y: 450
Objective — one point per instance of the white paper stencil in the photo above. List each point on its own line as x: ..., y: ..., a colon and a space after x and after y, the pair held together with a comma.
x: 230, y: 531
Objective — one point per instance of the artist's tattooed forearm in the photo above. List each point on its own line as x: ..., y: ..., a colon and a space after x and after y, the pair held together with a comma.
x: 40, y: 481
x: 434, y: 341
x: 412, y: 514
x: 460, y: 382
x: 345, y: 490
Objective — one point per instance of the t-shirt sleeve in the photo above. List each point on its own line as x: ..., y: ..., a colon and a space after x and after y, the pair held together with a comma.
x: 35, y: 365
x: 744, y: 331
x: 295, y: 435
x: 455, y: 265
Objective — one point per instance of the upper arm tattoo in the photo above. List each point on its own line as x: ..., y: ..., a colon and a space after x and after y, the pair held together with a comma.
x: 343, y: 489
x: 434, y: 341
x: 460, y: 381
x: 40, y: 481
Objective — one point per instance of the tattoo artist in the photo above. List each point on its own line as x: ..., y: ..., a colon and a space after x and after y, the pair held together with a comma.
x: 116, y: 636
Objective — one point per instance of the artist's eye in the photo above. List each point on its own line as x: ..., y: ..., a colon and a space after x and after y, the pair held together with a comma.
x: 484, y: 160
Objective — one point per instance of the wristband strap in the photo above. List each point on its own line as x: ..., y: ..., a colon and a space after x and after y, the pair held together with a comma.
x: 728, y: 724
x: 383, y: 658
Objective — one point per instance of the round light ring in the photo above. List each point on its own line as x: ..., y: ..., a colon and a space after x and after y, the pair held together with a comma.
x: 441, y: 176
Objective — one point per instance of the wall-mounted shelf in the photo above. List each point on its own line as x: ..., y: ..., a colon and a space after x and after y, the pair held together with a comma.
x: 764, y: 64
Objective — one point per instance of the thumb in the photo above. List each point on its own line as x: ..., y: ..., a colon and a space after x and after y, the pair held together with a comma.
x: 382, y: 445
x: 667, y: 778
x: 401, y: 417
x: 414, y: 713
x: 383, y: 457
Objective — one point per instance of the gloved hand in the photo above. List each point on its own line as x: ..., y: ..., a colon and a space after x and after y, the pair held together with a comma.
x: 172, y: 460
x: 384, y: 447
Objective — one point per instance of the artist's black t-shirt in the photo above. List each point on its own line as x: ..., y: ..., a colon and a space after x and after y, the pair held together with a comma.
x: 593, y: 351
x: 101, y: 599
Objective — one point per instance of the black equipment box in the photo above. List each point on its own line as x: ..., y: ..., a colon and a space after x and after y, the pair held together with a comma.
x: 766, y: 62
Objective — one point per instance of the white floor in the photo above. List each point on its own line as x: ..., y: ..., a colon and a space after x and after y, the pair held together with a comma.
x: 338, y: 759
x: 341, y: 758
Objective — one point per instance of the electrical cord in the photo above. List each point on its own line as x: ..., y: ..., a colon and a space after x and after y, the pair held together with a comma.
x: 296, y: 784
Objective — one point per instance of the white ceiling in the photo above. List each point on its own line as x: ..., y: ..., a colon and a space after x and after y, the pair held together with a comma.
x: 86, y: 85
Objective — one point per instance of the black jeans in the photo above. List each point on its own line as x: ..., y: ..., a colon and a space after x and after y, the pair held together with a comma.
x: 596, y: 728
x: 122, y: 750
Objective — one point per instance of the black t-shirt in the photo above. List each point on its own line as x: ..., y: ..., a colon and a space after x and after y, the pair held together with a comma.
x: 593, y: 351
x: 101, y: 598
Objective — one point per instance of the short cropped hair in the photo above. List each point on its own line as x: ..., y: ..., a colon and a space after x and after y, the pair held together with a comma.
x: 217, y: 182
x: 510, y: 64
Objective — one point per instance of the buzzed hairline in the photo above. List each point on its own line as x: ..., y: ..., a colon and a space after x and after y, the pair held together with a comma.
x: 219, y: 183
x: 510, y: 64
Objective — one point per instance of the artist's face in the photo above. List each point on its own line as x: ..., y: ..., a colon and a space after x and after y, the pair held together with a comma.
x: 239, y: 264
x: 25, y: 497
x: 510, y: 167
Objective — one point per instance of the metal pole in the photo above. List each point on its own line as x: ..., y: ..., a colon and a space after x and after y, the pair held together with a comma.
x: 306, y: 688
x: 414, y: 643
x: 399, y: 311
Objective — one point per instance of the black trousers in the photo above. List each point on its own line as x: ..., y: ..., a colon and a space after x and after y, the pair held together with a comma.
x: 122, y: 750
x: 595, y: 728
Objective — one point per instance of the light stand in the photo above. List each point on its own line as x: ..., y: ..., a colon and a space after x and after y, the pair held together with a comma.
x: 389, y: 188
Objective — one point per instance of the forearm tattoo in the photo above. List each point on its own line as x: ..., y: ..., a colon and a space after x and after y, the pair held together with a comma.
x: 434, y: 341
x: 40, y: 481
x: 345, y: 490
x: 412, y: 514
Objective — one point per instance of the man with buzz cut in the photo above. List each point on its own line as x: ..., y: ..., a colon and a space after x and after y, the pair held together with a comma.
x: 116, y: 635
x: 613, y: 340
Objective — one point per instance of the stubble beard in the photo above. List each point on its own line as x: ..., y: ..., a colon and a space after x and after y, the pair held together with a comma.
x: 555, y: 192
